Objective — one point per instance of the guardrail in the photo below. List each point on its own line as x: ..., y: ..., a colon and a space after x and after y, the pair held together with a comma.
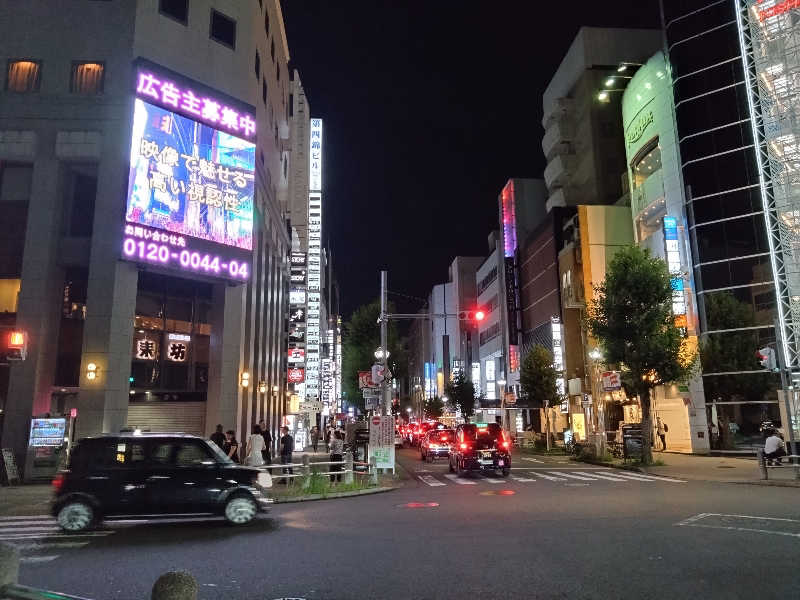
x: 307, y: 469
x: 173, y: 585
x: 764, y: 466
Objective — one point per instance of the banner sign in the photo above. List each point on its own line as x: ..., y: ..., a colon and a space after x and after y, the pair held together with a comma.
x: 611, y: 381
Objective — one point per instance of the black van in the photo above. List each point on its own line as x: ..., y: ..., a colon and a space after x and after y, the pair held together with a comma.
x: 155, y: 474
x: 480, y: 447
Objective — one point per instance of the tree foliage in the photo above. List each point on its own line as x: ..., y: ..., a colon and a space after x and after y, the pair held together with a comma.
x: 433, y: 407
x: 732, y: 351
x: 461, y: 394
x: 631, y: 316
x: 360, y: 338
x: 538, y: 377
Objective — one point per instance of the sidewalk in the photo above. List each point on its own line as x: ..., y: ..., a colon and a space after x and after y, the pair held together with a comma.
x: 719, y: 468
x: 29, y: 499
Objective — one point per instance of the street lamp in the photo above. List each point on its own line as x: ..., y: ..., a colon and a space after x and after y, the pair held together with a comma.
x: 379, y: 354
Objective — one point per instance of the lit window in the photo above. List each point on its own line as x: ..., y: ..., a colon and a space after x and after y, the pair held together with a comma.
x: 23, y: 75
x: 646, y: 164
x: 87, y: 78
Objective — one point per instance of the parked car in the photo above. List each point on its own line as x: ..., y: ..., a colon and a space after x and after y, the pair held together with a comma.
x: 436, y: 443
x: 155, y: 474
x: 480, y: 447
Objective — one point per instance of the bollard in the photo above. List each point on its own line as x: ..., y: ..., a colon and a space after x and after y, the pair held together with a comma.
x: 9, y: 565
x: 175, y: 585
x: 762, y: 465
x: 373, y: 471
x: 306, y: 472
x: 348, y: 467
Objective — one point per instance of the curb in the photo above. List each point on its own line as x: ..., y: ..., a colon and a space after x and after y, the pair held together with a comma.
x: 310, y: 497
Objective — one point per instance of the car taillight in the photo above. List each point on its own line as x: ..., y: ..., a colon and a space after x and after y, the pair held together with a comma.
x: 505, y: 444
x: 58, y: 482
x: 463, y: 446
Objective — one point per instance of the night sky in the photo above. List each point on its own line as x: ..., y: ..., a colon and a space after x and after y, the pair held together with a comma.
x: 429, y: 106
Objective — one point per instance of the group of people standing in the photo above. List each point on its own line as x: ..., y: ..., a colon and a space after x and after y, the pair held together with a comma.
x: 258, y: 449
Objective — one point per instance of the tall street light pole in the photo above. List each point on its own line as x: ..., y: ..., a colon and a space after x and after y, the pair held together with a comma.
x: 387, y: 406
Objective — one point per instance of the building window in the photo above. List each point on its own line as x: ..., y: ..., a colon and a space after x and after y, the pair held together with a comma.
x: 87, y: 78
x: 278, y: 72
x: 487, y: 281
x: 264, y: 91
x: 23, y: 75
x: 646, y: 163
x: 257, y: 66
x: 175, y: 9
x: 285, y: 163
x: 272, y: 49
x: 223, y: 29
x: 266, y: 23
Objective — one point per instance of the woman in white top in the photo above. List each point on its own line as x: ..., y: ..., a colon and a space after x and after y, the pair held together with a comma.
x: 255, y: 444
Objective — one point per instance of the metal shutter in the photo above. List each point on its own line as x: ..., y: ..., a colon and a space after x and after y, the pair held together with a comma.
x: 184, y: 417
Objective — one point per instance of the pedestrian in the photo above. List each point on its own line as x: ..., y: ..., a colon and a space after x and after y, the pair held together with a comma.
x: 713, y: 434
x: 231, y: 447
x: 287, y: 447
x: 218, y: 437
x: 661, y: 430
x: 337, y: 452
x: 255, y: 444
x: 328, y: 438
x: 314, y: 437
x: 266, y: 453
x: 774, y: 448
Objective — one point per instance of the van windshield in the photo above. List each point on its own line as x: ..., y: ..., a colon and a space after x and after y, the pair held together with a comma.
x: 219, y: 455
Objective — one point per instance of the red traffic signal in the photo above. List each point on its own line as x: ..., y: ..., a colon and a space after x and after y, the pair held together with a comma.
x: 14, y: 345
x: 472, y: 315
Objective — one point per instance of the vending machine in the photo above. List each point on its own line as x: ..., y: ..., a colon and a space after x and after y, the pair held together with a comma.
x: 47, y: 445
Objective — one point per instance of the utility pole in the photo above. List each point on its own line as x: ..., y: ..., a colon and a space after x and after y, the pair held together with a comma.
x: 387, y: 404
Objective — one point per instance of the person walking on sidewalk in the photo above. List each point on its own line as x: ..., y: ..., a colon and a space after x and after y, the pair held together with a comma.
x: 255, y: 444
x: 337, y: 451
x: 266, y: 453
x: 218, y: 437
x: 314, y: 437
x: 287, y: 447
x: 231, y: 447
x: 661, y: 430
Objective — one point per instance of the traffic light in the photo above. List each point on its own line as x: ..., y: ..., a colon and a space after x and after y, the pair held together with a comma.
x: 766, y: 356
x: 472, y: 315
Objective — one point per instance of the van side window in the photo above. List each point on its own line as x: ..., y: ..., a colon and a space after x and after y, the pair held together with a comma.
x: 190, y: 454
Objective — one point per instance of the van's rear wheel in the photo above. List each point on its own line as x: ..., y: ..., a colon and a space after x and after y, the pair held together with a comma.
x: 240, y: 510
x: 75, y: 516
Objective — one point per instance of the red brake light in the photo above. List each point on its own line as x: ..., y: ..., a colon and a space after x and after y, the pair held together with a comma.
x: 464, y: 446
x: 58, y: 482
x: 443, y: 438
x: 505, y: 444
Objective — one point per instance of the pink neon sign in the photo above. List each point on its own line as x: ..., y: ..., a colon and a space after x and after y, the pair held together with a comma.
x: 198, y: 107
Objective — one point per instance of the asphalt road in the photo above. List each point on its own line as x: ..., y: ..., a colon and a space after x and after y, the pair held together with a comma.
x: 552, y: 530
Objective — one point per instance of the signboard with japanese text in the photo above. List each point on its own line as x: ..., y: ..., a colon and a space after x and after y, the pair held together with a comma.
x: 611, y: 381
x: 297, y: 355
x: 47, y: 432
x: 146, y: 346
x: 296, y: 375
x: 365, y: 380
x: 191, y: 178
x: 381, y: 441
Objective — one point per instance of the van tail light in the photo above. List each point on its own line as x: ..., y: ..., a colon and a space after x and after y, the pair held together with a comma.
x: 506, y: 444
x: 463, y: 446
x: 58, y: 482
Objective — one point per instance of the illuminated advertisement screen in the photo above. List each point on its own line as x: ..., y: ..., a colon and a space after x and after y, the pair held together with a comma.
x: 191, y: 178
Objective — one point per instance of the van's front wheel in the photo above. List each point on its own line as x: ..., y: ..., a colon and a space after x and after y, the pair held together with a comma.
x: 75, y: 516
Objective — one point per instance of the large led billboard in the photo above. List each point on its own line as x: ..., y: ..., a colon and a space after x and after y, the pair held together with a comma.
x: 191, y: 178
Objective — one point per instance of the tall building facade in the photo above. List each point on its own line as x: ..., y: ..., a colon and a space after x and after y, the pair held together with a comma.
x: 143, y: 165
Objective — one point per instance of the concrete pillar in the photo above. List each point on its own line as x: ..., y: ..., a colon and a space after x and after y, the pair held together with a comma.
x: 39, y: 308
x: 225, y: 359
x: 111, y: 297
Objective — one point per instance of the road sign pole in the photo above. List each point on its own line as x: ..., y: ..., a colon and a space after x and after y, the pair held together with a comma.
x: 387, y: 407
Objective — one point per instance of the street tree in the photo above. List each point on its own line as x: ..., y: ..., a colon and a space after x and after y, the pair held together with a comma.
x: 433, y: 407
x: 360, y: 338
x: 631, y: 316
x: 537, y: 377
x: 461, y: 395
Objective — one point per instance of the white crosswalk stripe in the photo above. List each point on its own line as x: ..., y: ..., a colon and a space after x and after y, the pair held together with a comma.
x: 550, y: 477
x: 529, y: 459
x: 643, y: 477
x: 431, y: 480
x: 493, y: 480
x: 459, y: 480
x: 606, y: 476
x: 40, y: 540
x: 522, y: 479
x: 572, y: 476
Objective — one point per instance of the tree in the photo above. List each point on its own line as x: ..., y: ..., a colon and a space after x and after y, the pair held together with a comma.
x: 461, y: 394
x: 360, y: 338
x: 631, y: 316
x: 434, y: 407
x: 537, y: 377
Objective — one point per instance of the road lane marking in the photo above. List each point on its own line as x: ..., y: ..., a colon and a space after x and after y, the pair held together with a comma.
x: 431, y: 480
x: 28, y: 518
x: 42, y: 536
x: 551, y: 477
x: 602, y: 476
x: 494, y: 480
x: 573, y: 476
x: 536, y: 460
x: 43, y: 529
x: 522, y: 479
x: 46, y: 545
x: 459, y: 480
x: 643, y: 477
x: 38, y: 559
x: 695, y: 521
